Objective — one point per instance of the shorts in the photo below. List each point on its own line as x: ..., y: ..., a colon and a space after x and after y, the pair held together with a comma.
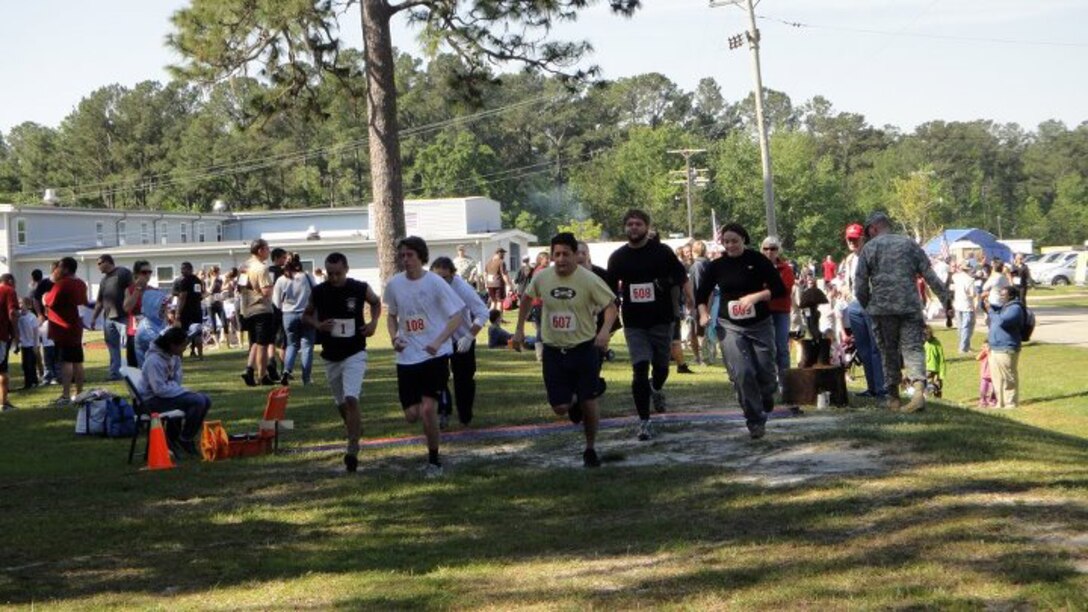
x: 281, y: 335
x: 651, y: 344
x: 346, y: 377
x: 497, y: 294
x: 70, y: 354
x: 675, y: 330
x: 570, y: 372
x: 5, y: 349
x: 262, y: 328
x: 424, y: 379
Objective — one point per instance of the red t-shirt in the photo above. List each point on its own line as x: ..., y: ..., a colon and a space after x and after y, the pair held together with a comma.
x: 829, y: 270
x: 784, y: 303
x: 8, y: 303
x: 62, y: 306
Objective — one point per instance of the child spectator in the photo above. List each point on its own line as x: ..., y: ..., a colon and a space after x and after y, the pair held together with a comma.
x: 497, y: 337
x: 51, y: 375
x: 28, y: 343
x: 987, y: 398
x: 936, y: 368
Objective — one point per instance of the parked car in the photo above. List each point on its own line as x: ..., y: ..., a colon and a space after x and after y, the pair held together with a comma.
x: 1061, y: 271
x: 1039, y: 266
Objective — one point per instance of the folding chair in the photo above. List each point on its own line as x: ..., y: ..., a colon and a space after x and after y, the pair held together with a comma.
x: 143, y: 415
x: 275, y: 411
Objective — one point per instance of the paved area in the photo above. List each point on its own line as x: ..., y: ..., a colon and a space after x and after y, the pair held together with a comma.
x: 1058, y: 325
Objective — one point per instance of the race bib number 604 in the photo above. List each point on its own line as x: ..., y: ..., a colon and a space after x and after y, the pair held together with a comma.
x: 739, y: 312
x: 562, y: 321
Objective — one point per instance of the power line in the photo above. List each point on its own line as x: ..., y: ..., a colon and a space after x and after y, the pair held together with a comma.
x: 1006, y: 41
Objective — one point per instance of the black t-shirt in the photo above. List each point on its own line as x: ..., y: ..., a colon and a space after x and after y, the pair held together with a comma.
x: 331, y: 302
x: 191, y: 285
x: 111, y: 292
x: 737, y: 277
x: 44, y: 286
x: 648, y: 275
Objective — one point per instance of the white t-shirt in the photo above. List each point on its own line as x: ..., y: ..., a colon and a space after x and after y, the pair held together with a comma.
x: 963, y: 292
x: 994, y: 285
x: 474, y: 311
x: 422, y: 307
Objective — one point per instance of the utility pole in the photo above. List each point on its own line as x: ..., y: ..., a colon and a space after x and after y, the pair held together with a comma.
x: 764, y: 148
x: 689, y: 178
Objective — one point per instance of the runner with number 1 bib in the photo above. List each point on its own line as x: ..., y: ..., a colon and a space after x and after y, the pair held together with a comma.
x: 645, y: 272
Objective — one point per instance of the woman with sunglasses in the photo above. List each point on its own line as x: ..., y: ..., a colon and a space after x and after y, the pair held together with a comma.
x: 780, y: 307
x: 747, y: 282
x: 146, y: 306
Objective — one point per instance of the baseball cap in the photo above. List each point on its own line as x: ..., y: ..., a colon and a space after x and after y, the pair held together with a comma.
x: 854, y: 231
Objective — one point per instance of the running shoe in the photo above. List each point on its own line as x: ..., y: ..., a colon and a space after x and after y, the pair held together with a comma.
x: 590, y: 459
x: 351, y: 462
x: 645, y: 430
x: 61, y: 402
x: 658, y: 397
x: 683, y: 369
x: 268, y: 380
x: 756, y: 431
x: 285, y: 379
x: 249, y: 379
x: 432, y: 470
x: 7, y: 407
x: 575, y: 412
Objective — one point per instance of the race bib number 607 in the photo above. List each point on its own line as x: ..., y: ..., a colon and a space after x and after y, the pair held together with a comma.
x: 562, y: 321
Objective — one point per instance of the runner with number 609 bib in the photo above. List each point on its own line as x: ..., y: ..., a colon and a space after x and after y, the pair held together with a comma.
x: 747, y: 281
x: 572, y: 296
x: 643, y: 272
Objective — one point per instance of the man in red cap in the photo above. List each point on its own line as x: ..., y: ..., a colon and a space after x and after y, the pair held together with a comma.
x: 856, y: 318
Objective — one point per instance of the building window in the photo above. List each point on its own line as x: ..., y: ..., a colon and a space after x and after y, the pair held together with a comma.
x: 99, y: 233
x: 200, y: 231
x: 20, y: 232
x: 411, y: 221
x: 145, y: 233
x: 219, y: 232
x: 307, y: 266
x: 122, y: 229
x: 164, y: 229
x: 164, y: 276
x: 184, y: 232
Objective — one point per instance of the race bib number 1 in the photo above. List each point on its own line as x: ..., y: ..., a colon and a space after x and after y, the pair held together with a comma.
x: 562, y: 321
x: 343, y: 328
x: 642, y: 293
x: 415, y: 325
x: 739, y: 312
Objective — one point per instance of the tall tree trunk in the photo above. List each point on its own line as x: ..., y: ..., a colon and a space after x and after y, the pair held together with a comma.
x: 386, y: 184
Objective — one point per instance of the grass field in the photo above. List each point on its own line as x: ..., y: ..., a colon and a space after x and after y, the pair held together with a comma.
x: 967, y: 509
x: 1069, y: 296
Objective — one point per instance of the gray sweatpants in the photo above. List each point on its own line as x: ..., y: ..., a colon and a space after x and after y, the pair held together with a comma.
x: 900, y: 339
x: 749, y: 355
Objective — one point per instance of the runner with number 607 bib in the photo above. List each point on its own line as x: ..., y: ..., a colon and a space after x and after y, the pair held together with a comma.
x: 643, y: 272
x: 572, y: 296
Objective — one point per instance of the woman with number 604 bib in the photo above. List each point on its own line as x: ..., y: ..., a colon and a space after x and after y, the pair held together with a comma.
x: 747, y: 281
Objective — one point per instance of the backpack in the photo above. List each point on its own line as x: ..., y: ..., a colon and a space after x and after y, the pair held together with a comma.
x: 120, y: 418
x: 1028, y: 326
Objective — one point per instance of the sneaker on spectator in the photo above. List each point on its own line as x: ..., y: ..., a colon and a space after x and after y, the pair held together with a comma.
x: 61, y: 402
x: 248, y: 378
x: 683, y: 369
x: 757, y: 431
x: 432, y: 470
x: 351, y: 462
x: 590, y: 458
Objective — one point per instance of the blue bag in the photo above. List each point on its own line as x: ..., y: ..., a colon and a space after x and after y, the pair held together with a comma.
x: 120, y: 418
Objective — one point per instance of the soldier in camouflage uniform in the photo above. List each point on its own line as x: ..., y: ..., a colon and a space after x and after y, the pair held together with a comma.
x: 888, y: 267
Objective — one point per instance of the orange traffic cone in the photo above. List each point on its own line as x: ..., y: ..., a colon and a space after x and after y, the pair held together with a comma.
x: 158, y: 456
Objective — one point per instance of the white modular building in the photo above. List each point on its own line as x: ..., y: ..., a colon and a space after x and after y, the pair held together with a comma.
x: 35, y: 236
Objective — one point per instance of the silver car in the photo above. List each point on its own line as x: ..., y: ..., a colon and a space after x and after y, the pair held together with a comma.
x: 1059, y: 272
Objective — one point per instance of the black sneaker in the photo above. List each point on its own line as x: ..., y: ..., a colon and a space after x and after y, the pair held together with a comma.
x: 249, y: 379
x: 351, y: 462
x: 683, y: 369
x: 268, y: 381
x: 659, y: 401
x: 575, y: 413
x: 590, y: 459
x: 273, y: 373
x: 756, y: 431
x: 768, y: 405
x: 285, y: 380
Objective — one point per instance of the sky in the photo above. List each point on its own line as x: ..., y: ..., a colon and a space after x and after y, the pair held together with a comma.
x: 897, y: 62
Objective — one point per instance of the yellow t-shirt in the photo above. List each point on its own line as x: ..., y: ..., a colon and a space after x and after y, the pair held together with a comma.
x: 571, y: 303
x: 257, y: 277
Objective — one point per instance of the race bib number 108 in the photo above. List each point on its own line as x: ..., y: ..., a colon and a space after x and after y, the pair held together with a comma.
x: 415, y: 325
